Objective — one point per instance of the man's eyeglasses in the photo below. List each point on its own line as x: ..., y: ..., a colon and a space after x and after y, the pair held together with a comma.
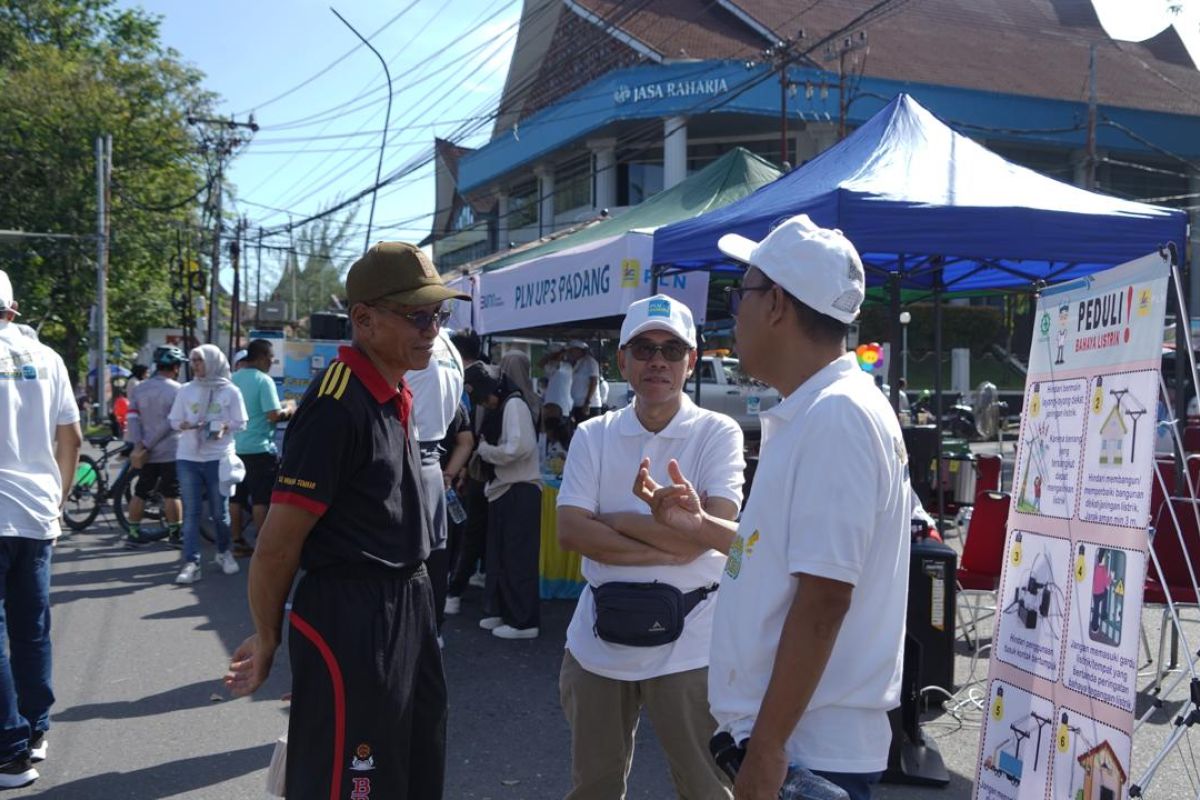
x: 645, y: 351
x: 734, y: 294
x: 421, y: 320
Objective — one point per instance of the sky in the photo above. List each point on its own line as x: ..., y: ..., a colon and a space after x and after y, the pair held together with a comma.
x: 448, y: 61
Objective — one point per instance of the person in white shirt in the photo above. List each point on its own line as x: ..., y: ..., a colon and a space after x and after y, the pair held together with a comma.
x: 618, y: 662
x: 437, y: 391
x: 808, y: 641
x: 559, y: 375
x: 39, y: 450
x: 514, y: 520
x: 585, y: 381
x: 209, y: 410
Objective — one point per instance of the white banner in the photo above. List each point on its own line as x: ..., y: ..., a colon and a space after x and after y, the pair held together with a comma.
x: 1063, y: 672
x: 594, y: 280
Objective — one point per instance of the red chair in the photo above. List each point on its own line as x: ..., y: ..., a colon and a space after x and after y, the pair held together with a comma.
x: 982, y: 558
x: 1166, y: 466
x: 1171, y: 576
x: 987, y: 467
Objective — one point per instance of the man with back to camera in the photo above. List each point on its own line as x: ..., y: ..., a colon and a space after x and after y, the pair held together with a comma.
x: 368, y: 691
x: 255, y: 445
x: 39, y: 450
x: 808, y: 640
x: 585, y: 380
x: 150, y: 431
x: 606, y: 679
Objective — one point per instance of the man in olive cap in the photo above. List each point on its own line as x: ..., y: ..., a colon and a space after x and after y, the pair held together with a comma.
x: 369, y: 694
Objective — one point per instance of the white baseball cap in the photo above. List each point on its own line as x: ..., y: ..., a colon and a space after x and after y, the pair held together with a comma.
x: 659, y: 313
x: 240, y: 355
x: 6, y: 294
x: 818, y: 266
x: 577, y: 344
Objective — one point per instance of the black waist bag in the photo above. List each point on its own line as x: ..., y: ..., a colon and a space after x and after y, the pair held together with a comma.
x: 643, y: 614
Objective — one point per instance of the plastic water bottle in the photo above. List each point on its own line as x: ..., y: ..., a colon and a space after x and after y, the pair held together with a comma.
x: 454, y: 507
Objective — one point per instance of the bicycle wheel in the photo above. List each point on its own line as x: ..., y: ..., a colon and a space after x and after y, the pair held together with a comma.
x: 86, y: 495
x: 152, y: 506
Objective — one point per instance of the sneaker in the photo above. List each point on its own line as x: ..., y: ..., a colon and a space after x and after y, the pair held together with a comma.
x: 227, y: 563
x: 453, y: 606
x: 189, y: 574
x: 478, y: 580
x: 509, y: 632
x: 37, y: 747
x: 491, y: 623
x: 17, y: 773
x: 133, y: 542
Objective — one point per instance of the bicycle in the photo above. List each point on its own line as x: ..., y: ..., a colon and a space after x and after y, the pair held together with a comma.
x: 92, y: 490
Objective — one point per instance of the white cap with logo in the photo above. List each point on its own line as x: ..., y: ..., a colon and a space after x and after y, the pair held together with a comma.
x: 6, y: 294
x: 818, y: 266
x: 659, y: 313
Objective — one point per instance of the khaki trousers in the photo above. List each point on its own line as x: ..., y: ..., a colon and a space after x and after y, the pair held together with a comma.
x: 603, y: 715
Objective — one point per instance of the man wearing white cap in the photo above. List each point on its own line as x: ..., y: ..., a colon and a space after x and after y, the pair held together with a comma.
x: 39, y: 449
x: 808, y: 638
x: 640, y: 633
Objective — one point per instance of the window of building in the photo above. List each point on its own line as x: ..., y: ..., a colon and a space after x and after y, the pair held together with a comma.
x: 523, y: 206
x: 464, y: 219
x: 573, y: 186
x: 639, y: 177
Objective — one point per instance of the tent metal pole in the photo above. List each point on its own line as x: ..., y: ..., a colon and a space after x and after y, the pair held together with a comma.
x: 1182, y: 362
x: 937, y: 392
x: 894, y: 361
x: 654, y: 278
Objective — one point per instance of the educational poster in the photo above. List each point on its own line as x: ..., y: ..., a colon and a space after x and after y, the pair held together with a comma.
x: 1032, y: 604
x: 1018, y: 744
x: 1063, y: 666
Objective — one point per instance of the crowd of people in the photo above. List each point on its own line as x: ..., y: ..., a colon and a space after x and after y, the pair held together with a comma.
x: 768, y: 627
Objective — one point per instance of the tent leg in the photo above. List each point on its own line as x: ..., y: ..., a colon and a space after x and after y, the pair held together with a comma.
x: 894, y: 361
x: 937, y: 391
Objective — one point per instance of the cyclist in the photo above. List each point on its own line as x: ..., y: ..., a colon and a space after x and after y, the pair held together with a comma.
x: 150, y: 432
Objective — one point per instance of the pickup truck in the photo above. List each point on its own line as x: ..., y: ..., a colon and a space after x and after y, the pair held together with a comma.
x: 723, y: 388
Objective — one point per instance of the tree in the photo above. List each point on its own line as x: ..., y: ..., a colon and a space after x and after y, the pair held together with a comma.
x: 71, y: 70
x: 321, y: 247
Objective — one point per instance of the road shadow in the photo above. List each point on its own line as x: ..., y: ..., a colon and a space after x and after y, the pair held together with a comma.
x: 193, y: 695
x: 183, y: 775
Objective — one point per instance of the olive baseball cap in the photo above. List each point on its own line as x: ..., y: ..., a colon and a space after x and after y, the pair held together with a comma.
x: 399, y: 272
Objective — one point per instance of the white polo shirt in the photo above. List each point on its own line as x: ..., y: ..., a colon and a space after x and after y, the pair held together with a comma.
x: 436, y: 390
x: 830, y: 498
x: 583, y: 371
x: 598, y: 477
x: 35, y: 398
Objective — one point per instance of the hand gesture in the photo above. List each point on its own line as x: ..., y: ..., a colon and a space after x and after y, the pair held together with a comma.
x: 249, y: 667
x: 676, y: 506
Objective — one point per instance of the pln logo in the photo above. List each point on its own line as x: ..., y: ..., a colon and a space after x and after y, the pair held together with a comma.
x: 660, y: 307
x: 630, y: 268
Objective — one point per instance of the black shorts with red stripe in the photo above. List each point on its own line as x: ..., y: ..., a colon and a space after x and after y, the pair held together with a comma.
x: 368, y: 715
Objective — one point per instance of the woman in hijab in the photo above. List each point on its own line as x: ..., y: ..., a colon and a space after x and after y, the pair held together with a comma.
x: 209, y: 410
x: 514, y: 493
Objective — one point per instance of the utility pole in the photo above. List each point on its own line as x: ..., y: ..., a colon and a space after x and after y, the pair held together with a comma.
x: 235, y: 311
x: 1089, y: 176
x: 847, y: 46
x: 219, y: 137
x: 103, y: 180
x: 780, y: 57
x: 258, y: 284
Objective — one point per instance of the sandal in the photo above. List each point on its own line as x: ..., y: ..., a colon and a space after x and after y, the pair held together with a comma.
x: 241, y: 549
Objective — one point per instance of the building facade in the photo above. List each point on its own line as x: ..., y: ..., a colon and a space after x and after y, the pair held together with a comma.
x: 608, y: 102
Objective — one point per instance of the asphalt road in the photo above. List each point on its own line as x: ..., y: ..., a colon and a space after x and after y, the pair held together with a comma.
x: 141, y: 712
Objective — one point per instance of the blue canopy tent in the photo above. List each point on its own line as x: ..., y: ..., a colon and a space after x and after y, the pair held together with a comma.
x: 930, y: 205
x: 930, y: 209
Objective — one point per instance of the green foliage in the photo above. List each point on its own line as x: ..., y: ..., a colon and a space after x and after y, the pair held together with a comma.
x: 321, y: 247
x: 976, y: 327
x: 71, y: 70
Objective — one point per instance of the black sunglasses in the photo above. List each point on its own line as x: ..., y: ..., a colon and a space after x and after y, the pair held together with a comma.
x: 645, y: 351
x: 734, y: 294
x: 421, y: 320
